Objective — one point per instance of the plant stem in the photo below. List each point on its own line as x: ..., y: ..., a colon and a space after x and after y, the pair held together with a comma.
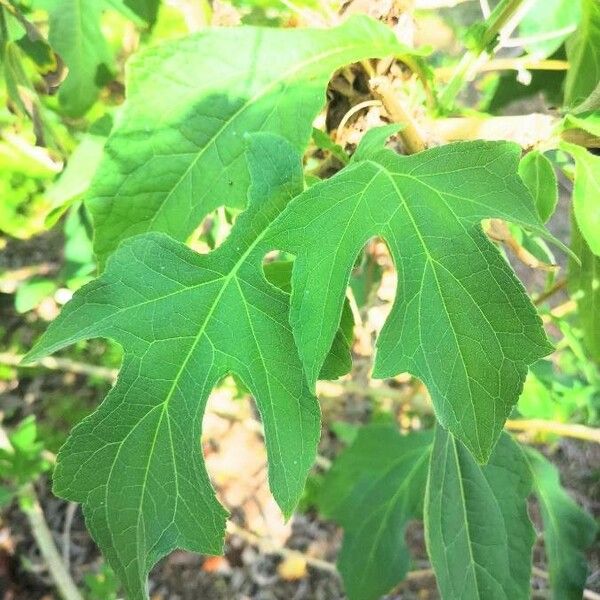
x: 43, y: 537
x: 580, y: 432
x: 512, y: 64
x: 410, y: 134
x: 60, y: 364
x: 500, y: 24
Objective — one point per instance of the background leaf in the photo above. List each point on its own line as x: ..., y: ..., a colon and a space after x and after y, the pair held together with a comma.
x: 479, y: 536
x: 586, y: 191
x: 76, y: 34
x: 568, y: 530
x: 538, y: 175
x: 584, y: 284
x: 553, y: 19
x: 373, y: 490
x: 583, y: 54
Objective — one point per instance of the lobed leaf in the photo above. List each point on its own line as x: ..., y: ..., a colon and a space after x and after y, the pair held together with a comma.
x: 373, y: 490
x: 178, y: 151
x: 461, y: 321
x: 185, y: 321
x: 479, y: 536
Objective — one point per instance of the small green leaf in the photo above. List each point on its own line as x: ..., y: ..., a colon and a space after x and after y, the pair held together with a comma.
x: 139, y: 11
x: 583, y: 54
x: 548, y: 23
x: 75, y: 33
x: 75, y: 179
x: 479, y: 536
x: 178, y: 150
x: 538, y: 175
x: 568, y: 530
x: 31, y: 293
x: 374, y: 489
x: 6, y: 496
x: 22, y: 461
x: 586, y: 192
x: 323, y: 141
x: 185, y: 321
x: 584, y: 284
x: 461, y: 321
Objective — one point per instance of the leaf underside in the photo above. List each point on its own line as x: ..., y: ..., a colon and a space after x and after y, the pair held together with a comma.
x: 461, y: 321
x: 185, y: 321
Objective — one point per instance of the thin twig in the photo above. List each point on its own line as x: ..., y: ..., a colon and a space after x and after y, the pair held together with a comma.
x: 43, y: 537
x: 511, y: 64
x: 576, y: 431
x: 66, y: 536
x: 351, y: 112
x: 268, y: 547
x: 60, y: 364
x: 559, y: 285
x: 540, y: 37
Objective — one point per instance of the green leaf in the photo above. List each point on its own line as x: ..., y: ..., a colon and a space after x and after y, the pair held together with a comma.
x: 6, y: 496
x: 591, y: 103
x: 586, y: 192
x: 554, y: 20
x: 323, y: 141
x: 479, y: 536
x: 538, y: 175
x: 589, y: 122
x: 185, y: 321
x: 75, y: 179
x: 339, y: 359
x: 583, y: 54
x: 75, y: 33
x: 178, y: 151
x: 374, y: 489
x: 584, y: 285
x: 461, y: 322
x: 139, y: 11
x: 568, y: 530
x: 22, y: 461
x: 30, y: 294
